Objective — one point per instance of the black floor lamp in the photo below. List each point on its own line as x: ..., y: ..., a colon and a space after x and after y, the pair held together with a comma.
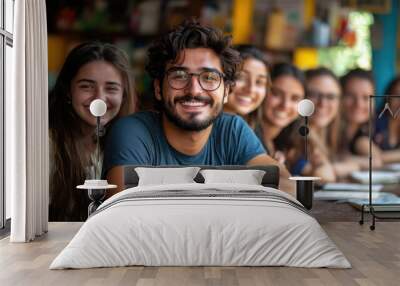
x: 305, y: 185
x: 305, y: 109
x: 96, y: 187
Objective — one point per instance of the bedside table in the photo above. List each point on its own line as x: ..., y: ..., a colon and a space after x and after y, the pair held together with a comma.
x: 96, y: 192
x: 305, y: 190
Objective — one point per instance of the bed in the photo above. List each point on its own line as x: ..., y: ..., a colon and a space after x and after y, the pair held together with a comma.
x: 201, y: 223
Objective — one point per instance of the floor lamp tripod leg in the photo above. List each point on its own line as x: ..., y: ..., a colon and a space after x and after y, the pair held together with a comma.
x: 372, y: 227
x: 362, y: 215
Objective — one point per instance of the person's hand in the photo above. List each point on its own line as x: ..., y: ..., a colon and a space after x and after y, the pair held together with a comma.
x: 287, y: 186
x: 320, y: 166
x: 317, y: 158
x: 280, y: 157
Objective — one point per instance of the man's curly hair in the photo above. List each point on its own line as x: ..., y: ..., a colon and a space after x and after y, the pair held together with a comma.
x: 189, y: 35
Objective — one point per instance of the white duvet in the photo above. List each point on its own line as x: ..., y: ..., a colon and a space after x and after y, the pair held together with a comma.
x: 201, y: 224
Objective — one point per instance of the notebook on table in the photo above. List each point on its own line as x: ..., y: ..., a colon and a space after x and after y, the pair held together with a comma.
x: 345, y: 195
x: 378, y: 177
x: 395, y: 167
x: 351, y: 187
x: 384, y: 203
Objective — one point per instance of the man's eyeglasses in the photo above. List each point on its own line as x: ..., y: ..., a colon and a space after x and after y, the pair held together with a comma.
x: 208, y: 80
x: 316, y: 96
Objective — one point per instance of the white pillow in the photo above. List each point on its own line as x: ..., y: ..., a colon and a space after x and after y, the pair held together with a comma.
x: 164, y: 176
x: 249, y: 177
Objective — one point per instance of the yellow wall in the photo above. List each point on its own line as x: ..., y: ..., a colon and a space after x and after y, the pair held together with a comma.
x: 242, y: 21
x: 56, y: 50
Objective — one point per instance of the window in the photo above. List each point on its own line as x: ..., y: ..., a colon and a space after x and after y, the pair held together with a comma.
x: 342, y: 58
x: 9, y: 13
x: 6, y: 64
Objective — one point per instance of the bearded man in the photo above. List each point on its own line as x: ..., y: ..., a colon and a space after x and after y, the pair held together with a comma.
x: 193, y: 68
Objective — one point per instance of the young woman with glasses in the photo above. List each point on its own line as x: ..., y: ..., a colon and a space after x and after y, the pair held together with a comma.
x: 323, y: 88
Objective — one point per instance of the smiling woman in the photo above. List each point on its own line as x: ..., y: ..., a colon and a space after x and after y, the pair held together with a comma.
x: 280, y: 106
x: 91, y: 71
x: 323, y: 88
x: 251, y: 86
x: 357, y: 85
x: 98, y: 79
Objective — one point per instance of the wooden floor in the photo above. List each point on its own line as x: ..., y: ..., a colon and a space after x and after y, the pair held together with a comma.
x: 374, y: 255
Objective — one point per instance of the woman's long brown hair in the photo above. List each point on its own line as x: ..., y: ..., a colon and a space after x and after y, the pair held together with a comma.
x: 333, y: 127
x: 70, y: 158
x: 345, y: 142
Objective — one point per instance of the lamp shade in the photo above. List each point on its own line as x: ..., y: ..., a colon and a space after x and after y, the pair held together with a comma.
x: 98, y: 107
x: 305, y: 107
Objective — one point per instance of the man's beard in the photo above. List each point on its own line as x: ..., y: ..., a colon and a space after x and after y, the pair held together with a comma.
x: 191, y: 124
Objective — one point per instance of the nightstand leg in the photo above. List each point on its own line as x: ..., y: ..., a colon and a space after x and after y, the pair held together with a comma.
x: 96, y: 196
x: 305, y: 193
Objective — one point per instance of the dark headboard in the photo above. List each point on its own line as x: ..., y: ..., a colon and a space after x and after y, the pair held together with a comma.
x: 270, y: 179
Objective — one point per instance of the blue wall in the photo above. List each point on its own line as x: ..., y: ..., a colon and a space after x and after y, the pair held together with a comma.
x: 384, y: 58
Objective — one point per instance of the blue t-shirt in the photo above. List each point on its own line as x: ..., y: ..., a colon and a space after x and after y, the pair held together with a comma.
x: 298, y: 166
x: 139, y: 139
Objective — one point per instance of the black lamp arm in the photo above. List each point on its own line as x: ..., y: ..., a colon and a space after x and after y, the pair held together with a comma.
x: 96, y: 175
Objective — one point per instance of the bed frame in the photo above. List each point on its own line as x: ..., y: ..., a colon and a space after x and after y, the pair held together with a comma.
x: 270, y: 179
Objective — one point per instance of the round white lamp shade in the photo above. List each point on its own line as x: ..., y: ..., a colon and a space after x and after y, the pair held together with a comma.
x: 305, y: 107
x: 98, y: 107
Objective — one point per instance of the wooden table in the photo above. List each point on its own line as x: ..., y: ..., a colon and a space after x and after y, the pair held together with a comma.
x: 332, y: 211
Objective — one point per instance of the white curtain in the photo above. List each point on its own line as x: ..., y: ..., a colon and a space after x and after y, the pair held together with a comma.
x: 27, y: 162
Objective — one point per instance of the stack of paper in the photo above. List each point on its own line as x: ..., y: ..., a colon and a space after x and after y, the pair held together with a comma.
x: 386, y: 201
x: 392, y: 167
x: 346, y: 195
x: 358, y: 194
x: 351, y: 187
x: 378, y: 177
